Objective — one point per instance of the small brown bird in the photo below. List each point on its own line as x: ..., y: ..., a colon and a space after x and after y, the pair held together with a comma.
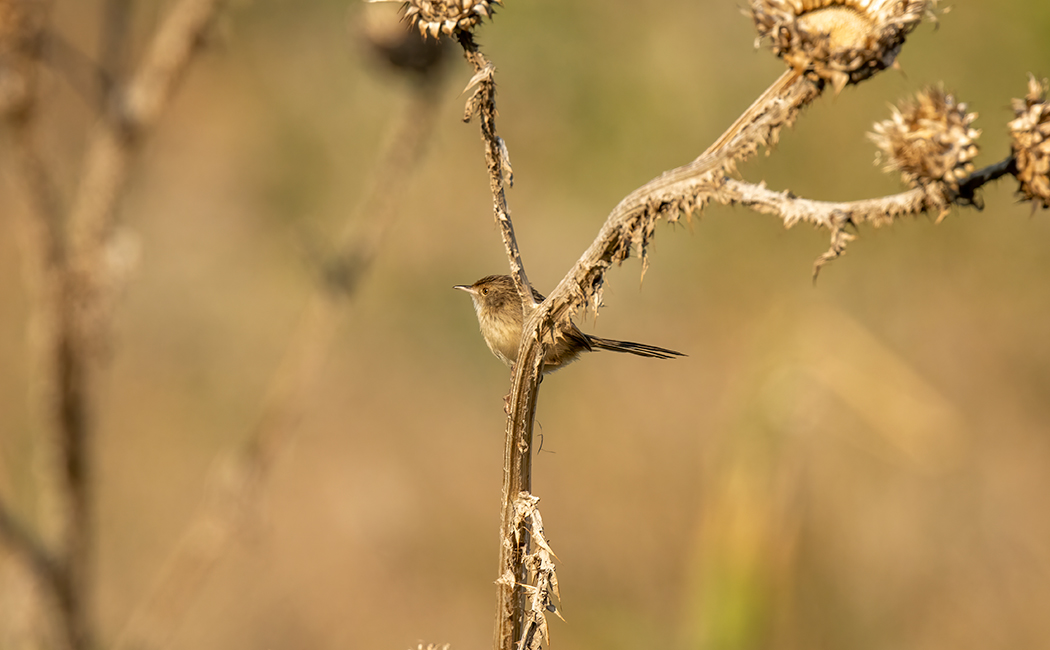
x: 501, y: 317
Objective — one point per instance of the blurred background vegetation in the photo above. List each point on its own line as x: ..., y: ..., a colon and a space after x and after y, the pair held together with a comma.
x: 860, y: 463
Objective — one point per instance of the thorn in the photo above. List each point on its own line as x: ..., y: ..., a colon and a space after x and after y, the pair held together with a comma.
x: 504, y: 155
x: 839, y: 81
x: 480, y: 76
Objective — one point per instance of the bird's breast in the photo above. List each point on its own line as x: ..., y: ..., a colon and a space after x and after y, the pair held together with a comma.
x: 502, y: 335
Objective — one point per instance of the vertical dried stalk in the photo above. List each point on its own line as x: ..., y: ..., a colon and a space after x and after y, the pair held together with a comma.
x: 517, y: 479
x: 483, y: 104
x: 521, y: 412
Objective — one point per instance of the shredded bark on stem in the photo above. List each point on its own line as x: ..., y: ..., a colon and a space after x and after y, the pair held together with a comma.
x: 483, y: 104
x: 517, y: 458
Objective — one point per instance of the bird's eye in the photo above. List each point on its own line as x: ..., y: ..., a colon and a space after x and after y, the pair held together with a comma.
x: 484, y: 292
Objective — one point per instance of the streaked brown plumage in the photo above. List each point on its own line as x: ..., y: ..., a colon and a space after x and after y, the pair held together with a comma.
x: 501, y: 318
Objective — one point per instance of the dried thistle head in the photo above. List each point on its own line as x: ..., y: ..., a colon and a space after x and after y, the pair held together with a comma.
x: 928, y: 140
x: 840, y: 41
x: 1030, y: 141
x: 436, y: 17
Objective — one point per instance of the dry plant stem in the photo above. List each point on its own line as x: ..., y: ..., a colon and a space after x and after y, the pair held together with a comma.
x: 483, y: 103
x: 517, y: 478
x: 836, y: 215
x: 680, y: 190
x: 517, y: 458
x: 237, y: 482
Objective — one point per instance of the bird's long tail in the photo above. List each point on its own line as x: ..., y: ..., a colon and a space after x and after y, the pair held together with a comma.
x: 641, y: 349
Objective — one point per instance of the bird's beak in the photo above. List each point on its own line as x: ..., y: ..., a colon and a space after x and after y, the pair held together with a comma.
x: 464, y: 287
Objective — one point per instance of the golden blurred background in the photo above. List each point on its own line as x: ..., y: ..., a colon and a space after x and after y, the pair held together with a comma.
x: 859, y: 463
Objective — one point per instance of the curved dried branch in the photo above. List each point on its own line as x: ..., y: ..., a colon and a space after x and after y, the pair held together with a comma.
x: 879, y: 211
x: 837, y: 216
x: 629, y: 227
x: 683, y: 190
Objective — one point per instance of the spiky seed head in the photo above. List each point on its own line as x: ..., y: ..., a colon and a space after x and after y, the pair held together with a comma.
x: 928, y: 140
x: 1030, y: 140
x: 436, y: 17
x: 839, y: 41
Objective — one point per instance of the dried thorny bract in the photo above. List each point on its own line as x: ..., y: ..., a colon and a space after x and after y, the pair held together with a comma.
x: 542, y: 588
x: 929, y: 140
x: 841, y: 41
x: 436, y: 17
x: 1030, y: 135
